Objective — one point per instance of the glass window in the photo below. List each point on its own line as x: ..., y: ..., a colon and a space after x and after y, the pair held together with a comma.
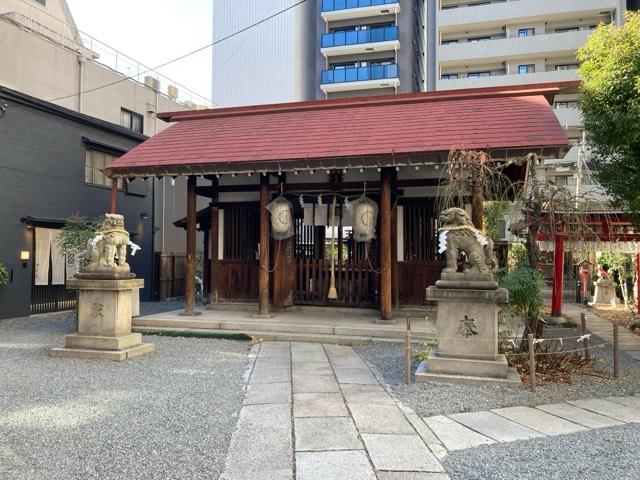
x: 449, y: 76
x: 94, y: 163
x: 567, y: 29
x: 567, y: 66
x: 526, y: 68
x: 449, y: 42
x: 478, y: 74
x: 131, y: 120
x: 478, y: 39
x: 526, y: 32
x: 562, y: 180
x: 42, y: 2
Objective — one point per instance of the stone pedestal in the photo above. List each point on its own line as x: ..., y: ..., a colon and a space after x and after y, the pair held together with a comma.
x: 605, y: 292
x: 467, y: 324
x: 104, y: 321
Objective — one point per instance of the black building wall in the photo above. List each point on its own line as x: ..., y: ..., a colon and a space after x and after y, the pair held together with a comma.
x: 42, y: 163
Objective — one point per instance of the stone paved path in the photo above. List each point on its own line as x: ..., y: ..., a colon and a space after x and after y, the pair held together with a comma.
x: 629, y: 342
x: 316, y: 412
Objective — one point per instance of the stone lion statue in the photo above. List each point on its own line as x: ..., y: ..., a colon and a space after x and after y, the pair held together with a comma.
x: 458, y: 235
x: 111, y: 239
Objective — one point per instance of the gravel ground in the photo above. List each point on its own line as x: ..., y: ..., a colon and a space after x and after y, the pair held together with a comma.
x: 600, y: 454
x: 433, y: 398
x: 166, y: 415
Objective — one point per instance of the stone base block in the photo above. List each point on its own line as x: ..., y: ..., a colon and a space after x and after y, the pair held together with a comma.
x: 89, y: 342
x: 114, y: 355
x: 497, y: 368
x: 467, y: 280
x: 424, y: 375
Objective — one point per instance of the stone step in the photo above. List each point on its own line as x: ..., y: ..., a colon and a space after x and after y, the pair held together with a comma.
x: 362, y: 330
x: 336, y: 339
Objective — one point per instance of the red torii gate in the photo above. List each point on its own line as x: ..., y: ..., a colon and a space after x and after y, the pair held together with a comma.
x: 614, y: 227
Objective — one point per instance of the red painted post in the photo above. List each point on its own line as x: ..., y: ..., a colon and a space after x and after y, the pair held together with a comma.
x: 558, y: 275
x: 114, y: 191
x: 638, y: 281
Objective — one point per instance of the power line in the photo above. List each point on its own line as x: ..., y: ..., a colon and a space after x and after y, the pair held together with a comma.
x: 234, y: 34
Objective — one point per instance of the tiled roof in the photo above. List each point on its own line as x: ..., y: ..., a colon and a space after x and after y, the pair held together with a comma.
x: 250, y: 137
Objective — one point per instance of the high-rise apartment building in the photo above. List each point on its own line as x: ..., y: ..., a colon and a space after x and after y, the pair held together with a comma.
x: 318, y: 49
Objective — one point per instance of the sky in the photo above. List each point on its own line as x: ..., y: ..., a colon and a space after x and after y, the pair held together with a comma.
x: 153, y: 32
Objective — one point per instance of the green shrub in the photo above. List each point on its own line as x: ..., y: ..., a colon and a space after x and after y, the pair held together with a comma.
x: 4, y: 275
x: 569, y: 324
x: 635, y: 326
x: 525, y: 294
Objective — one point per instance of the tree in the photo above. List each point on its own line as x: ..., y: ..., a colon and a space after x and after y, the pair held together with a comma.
x: 610, y: 88
x: 74, y: 237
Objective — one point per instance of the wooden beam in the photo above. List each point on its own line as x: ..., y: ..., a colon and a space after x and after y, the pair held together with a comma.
x: 263, y: 277
x: 386, y: 313
x: 190, y: 267
x: 114, y: 192
x: 316, y: 187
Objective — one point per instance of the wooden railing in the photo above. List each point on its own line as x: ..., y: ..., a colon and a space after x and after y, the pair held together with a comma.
x: 357, y: 283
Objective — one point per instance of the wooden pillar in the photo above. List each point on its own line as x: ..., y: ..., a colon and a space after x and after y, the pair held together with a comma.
x: 263, y: 280
x: 190, y: 267
x: 558, y: 275
x: 394, y: 245
x: 114, y: 192
x: 213, y: 268
x: 386, y: 313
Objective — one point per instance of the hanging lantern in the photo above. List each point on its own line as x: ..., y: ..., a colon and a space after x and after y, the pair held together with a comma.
x: 281, y: 218
x: 365, y: 216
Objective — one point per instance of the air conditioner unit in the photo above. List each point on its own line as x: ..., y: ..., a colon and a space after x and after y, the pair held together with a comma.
x: 152, y: 82
x: 172, y: 91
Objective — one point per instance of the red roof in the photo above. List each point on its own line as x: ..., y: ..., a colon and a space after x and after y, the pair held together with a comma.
x: 248, y: 138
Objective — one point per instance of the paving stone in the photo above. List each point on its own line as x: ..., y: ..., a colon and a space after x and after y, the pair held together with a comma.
x: 579, y: 415
x: 453, y: 435
x: 271, y: 375
x: 347, y: 362
x: 326, y: 433
x: 319, y: 405
x: 494, y: 426
x: 631, y: 401
x: 261, y: 445
x: 540, y: 421
x: 412, y: 476
x: 369, y: 394
x: 308, y: 356
x: 275, y: 349
x: 259, y: 393
x: 358, y: 375
x: 610, y: 409
x: 400, y: 453
x: 272, y: 362
x: 438, y: 450
x: 380, y: 419
x: 315, y: 384
x: 312, y: 368
x: 343, y: 465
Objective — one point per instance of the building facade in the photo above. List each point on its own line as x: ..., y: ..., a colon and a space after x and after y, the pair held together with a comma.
x: 43, y: 54
x: 319, y: 49
x: 49, y: 170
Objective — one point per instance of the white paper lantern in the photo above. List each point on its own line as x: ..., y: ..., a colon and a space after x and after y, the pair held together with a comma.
x: 365, y: 216
x: 281, y: 218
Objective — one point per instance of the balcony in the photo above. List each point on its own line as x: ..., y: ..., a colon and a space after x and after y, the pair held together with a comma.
x: 359, y: 78
x: 348, y: 9
x: 558, y: 44
x: 505, y: 80
x: 360, y: 41
x: 512, y: 12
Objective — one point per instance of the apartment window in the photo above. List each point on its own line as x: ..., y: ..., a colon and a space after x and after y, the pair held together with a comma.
x: 567, y: 104
x: 449, y: 42
x: 42, y: 2
x: 478, y: 74
x: 562, y: 181
x: 131, y: 120
x: 526, y: 32
x: 94, y: 163
x: 567, y: 29
x: 526, y: 68
x: 478, y: 39
x: 567, y: 66
x: 449, y: 76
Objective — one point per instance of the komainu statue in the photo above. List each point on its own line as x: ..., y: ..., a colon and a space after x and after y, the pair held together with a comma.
x: 458, y: 235
x: 108, y: 251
